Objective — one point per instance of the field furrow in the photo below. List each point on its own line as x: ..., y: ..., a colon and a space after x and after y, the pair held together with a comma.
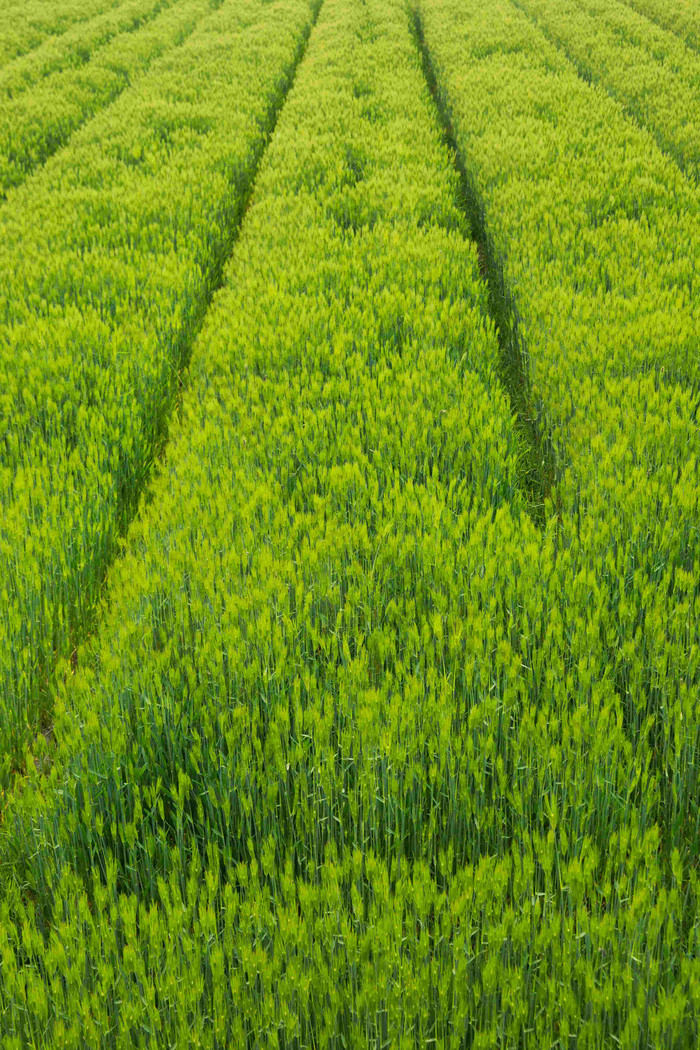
x: 681, y: 17
x: 28, y: 24
x: 109, y: 258
x: 647, y: 70
x: 38, y: 122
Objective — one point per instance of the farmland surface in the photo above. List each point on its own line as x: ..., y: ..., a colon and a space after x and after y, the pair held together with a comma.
x: 350, y: 524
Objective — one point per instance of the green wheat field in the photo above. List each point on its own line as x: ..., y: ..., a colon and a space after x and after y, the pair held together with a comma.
x: 350, y: 524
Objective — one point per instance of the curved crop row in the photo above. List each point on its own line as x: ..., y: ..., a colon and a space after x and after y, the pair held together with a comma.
x: 342, y: 764
x: 36, y: 123
x: 647, y: 70
x: 27, y: 24
x: 681, y: 17
x: 107, y: 262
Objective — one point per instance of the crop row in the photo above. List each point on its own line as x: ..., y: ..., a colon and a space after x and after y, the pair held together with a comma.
x: 678, y: 16
x: 597, y: 237
x: 351, y: 758
x: 646, y: 69
x: 27, y: 24
x: 36, y: 123
x: 107, y: 261
x: 603, y: 285
x: 74, y: 48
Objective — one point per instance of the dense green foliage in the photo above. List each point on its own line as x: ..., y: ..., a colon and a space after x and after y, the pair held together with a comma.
x: 35, y: 122
x: 75, y: 47
x: 27, y: 24
x: 597, y: 234
x: 107, y: 262
x: 648, y: 70
x: 365, y: 748
x: 681, y: 17
x: 285, y: 661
